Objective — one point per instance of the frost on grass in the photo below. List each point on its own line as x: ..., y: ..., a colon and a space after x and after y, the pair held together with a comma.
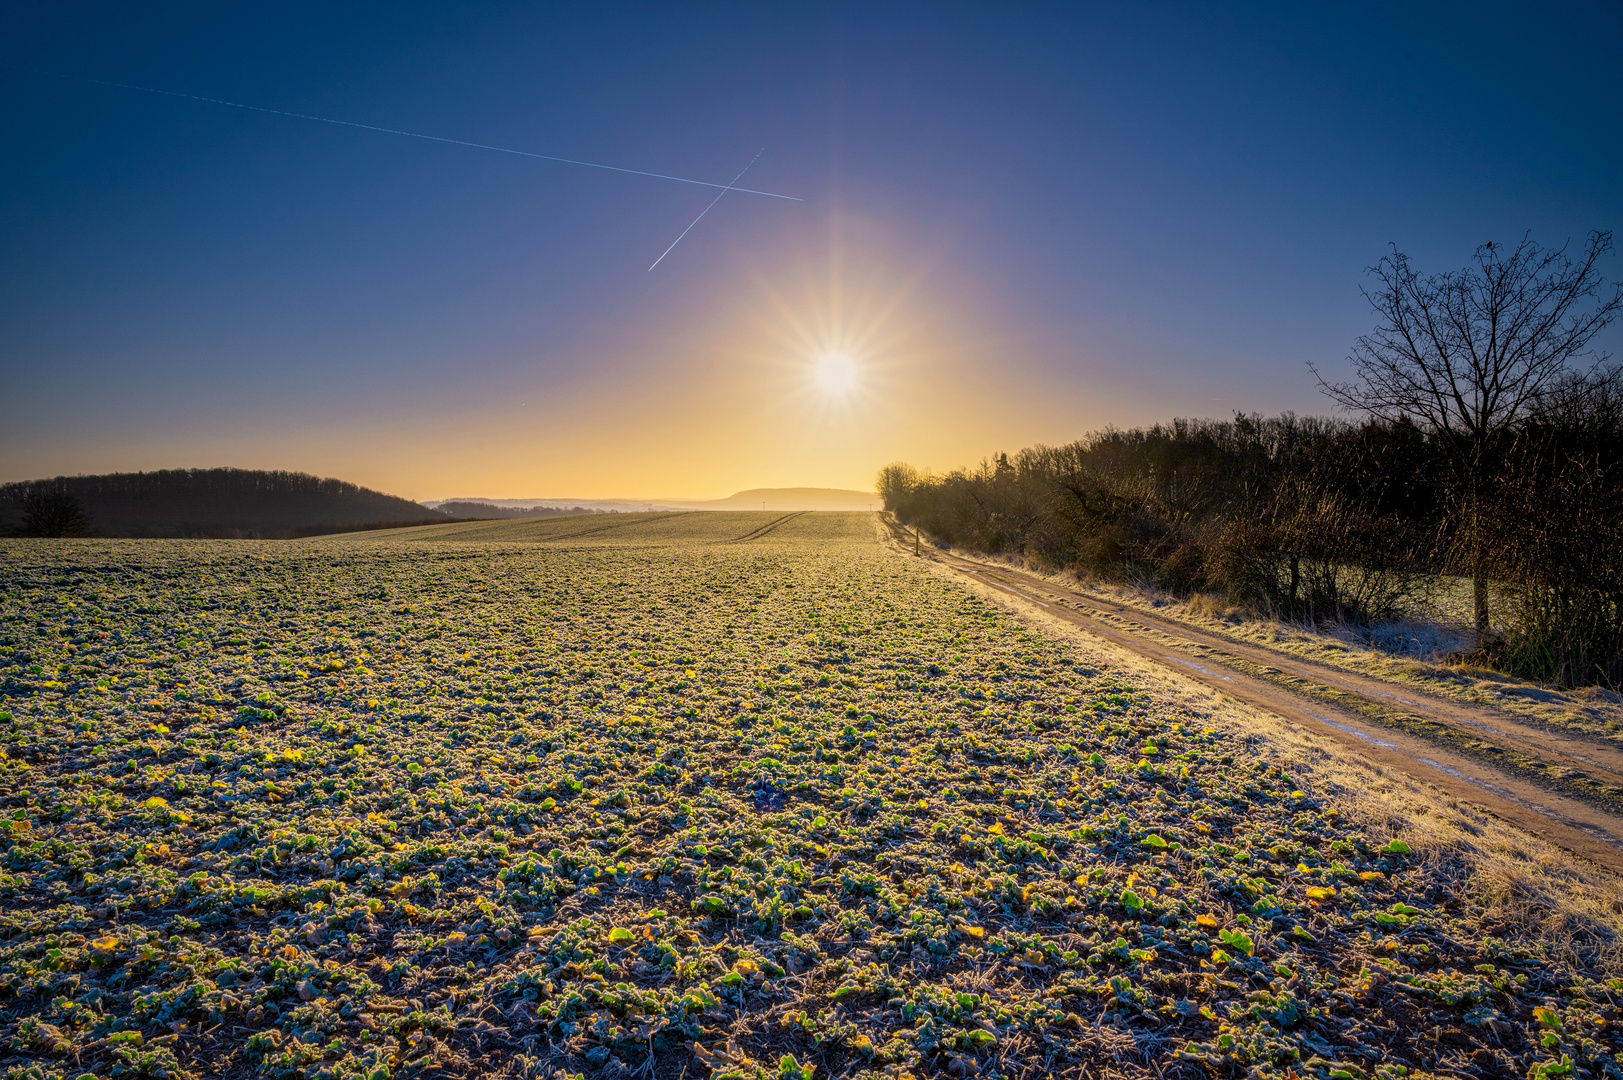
x: 788, y: 808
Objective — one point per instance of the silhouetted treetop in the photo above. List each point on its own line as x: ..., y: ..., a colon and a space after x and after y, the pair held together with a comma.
x: 48, y: 510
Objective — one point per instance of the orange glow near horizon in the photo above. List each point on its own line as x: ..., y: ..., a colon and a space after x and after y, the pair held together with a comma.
x: 729, y: 395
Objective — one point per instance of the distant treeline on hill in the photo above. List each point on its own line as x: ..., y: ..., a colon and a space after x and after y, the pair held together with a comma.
x: 466, y: 509
x: 227, y: 503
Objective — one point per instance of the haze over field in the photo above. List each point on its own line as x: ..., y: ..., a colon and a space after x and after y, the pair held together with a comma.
x: 753, y: 499
x: 1013, y: 229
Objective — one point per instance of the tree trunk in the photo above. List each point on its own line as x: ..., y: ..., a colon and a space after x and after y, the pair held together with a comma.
x: 1479, y: 557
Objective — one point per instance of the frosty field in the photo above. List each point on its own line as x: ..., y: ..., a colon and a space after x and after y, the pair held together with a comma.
x: 751, y: 794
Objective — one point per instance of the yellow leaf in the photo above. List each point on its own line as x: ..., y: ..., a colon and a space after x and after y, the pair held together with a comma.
x: 1318, y: 894
x: 1207, y: 921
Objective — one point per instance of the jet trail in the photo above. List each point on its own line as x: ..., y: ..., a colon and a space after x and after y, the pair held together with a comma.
x: 706, y: 210
x: 410, y: 134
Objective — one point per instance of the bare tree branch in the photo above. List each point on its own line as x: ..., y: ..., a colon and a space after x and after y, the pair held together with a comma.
x: 1472, y: 353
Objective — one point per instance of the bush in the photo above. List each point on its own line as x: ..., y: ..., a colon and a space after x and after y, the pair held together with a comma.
x: 1319, y: 557
x: 1556, y: 534
x: 48, y: 510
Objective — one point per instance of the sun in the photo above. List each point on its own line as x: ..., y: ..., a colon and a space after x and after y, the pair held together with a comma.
x: 836, y: 373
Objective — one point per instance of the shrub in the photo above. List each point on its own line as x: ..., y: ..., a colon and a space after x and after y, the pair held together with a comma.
x: 48, y: 510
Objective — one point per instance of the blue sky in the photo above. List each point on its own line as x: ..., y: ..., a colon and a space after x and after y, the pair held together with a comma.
x: 1022, y: 221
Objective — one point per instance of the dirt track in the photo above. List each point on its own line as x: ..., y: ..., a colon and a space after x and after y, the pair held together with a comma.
x: 1254, y: 675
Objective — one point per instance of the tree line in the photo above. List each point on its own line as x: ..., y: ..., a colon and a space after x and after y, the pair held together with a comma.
x: 1486, y: 441
x: 230, y: 503
x: 464, y: 508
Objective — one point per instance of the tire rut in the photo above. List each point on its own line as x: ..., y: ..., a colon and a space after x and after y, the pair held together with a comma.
x: 768, y: 527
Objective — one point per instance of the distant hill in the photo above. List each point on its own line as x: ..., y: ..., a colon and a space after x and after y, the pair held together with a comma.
x: 798, y: 498
x: 218, y: 503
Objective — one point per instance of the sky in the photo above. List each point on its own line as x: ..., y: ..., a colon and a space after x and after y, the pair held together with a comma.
x: 1017, y: 222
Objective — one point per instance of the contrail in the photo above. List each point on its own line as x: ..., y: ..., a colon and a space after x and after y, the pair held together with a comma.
x: 410, y: 134
x: 706, y: 210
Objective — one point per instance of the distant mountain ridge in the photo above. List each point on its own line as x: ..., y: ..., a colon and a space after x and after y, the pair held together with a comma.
x: 218, y: 503
x: 793, y: 498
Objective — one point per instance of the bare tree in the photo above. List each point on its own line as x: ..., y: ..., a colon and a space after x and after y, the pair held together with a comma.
x: 48, y: 510
x: 895, y: 482
x: 1471, y: 353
